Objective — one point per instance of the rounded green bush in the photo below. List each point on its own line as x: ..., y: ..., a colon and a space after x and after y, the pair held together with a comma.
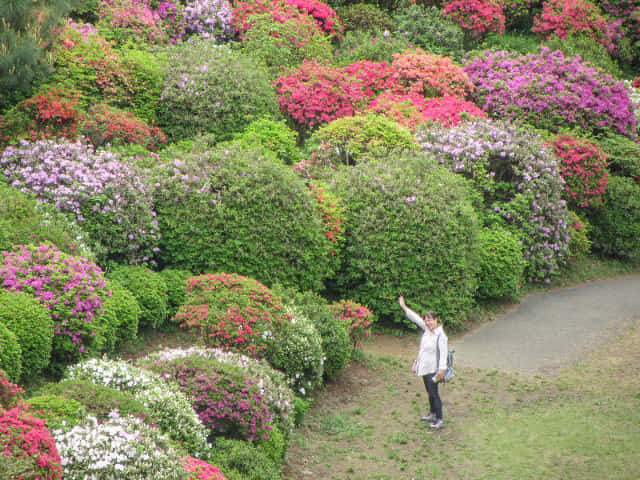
x: 95, y: 399
x: 120, y: 316
x: 239, y: 460
x: 176, y: 287
x: 148, y: 288
x: 411, y: 230
x: 350, y: 140
x: 32, y: 325
x: 210, y: 88
x: 336, y: 343
x: 365, y: 17
x: 237, y: 210
x: 616, y: 224
x: 500, y: 263
x: 274, y: 136
x: 57, y: 409
x: 375, y: 47
x: 10, y: 354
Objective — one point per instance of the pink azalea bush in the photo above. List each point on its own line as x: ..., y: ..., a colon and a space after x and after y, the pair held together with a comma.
x: 27, y: 437
x: 10, y: 393
x: 450, y: 111
x: 107, y: 196
x: 200, y: 470
x: 72, y: 288
x: 358, y: 318
x: 583, y: 166
x: 373, y: 77
x: 477, y: 17
x: 131, y: 19
x: 550, y: 91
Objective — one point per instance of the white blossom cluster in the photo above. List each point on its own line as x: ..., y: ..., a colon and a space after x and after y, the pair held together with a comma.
x: 170, y: 407
x: 122, y: 448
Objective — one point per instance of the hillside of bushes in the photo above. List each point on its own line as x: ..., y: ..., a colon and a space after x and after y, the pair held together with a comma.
x: 265, y: 178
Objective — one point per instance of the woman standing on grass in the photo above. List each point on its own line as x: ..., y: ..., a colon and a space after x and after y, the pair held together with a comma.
x: 433, y: 342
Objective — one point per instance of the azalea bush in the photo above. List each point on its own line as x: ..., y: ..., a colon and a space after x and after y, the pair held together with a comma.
x: 170, y: 409
x: 210, y: 88
x: 450, y: 111
x: 365, y: 17
x: 372, y: 46
x: 130, y: 20
x: 200, y: 470
x: 406, y: 109
x: 208, y: 18
x: 501, y: 264
x: 400, y: 224
x: 105, y: 125
x: 120, y: 316
x: 26, y: 438
x: 431, y: 75
x: 175, y: 280
x: 549, y: 91
x: 238, y: 210
x: 332, y: 213
x: 356, y: 317
x: 373, y: 77
x: 122, y: 447
x: 10, y: 354
x: 271, y: 135
x: 520, y: 182
x: 71, y: 288
x: 31, y: 323
x: 10, y: 393
x: 583, y: 167
x: 109, y: 197
x: 477, y: 17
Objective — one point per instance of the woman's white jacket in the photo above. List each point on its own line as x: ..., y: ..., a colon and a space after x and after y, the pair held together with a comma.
x: 430, y: 344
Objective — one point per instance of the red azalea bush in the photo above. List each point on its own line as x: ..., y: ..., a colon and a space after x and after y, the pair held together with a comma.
x: 131, y: 20
x: 324, y: 15
x: 314, y: 93
x: 374, y: 77
x: 200, y: 470
x: 583, y: 167
x: 449, y: 111
x: 477, y: 17
x: 431, y: 75
x: 24, y: 436
x: 231, y: 311
x: 332, y: 214
x: 109, y: 125
x: 564, y: 17
x: 72, y: 288
x: 358, y: 318
x: 10, y: 393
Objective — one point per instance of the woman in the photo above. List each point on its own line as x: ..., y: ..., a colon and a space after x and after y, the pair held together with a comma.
x: 433, y: 342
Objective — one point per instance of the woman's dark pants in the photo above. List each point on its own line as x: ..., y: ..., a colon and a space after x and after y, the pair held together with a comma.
x: 435, y: 404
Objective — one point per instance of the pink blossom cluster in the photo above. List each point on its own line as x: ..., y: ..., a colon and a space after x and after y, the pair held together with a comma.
x: 200, y: 470
x: 357, y: 317
x: 10, y: 393
x: 135, y: 16
x: 72, y: 288
x: 478, y: 17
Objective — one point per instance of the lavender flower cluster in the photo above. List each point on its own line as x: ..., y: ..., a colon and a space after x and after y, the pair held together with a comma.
x: 549, y: 90
x: 107, y: 196
x: 495, y: 154
x: 208, y: 18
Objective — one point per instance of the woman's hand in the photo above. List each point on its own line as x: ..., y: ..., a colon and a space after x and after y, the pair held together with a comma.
x: 440, y: 375
x: 401, y: 301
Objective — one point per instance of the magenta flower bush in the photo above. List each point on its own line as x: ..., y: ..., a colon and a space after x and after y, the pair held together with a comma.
x: 72, y: 288
x: 208, y: 18
x: 550, y: 91
x: 108, y: 197
x: 123, y: 20
x: 519, y: 178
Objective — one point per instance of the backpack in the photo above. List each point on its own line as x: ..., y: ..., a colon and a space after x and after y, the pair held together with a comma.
x: 449, y: 371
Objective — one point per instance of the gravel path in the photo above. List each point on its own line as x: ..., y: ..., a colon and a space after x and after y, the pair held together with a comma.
x: 548, y: 331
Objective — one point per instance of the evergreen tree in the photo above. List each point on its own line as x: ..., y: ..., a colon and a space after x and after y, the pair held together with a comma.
x: 27, y: 28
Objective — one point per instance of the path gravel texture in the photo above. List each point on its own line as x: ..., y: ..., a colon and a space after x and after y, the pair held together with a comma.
x: 546, y: 332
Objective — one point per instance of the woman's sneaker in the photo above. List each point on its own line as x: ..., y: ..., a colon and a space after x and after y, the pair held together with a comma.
x: 429, y: 418
x: 437, y: 424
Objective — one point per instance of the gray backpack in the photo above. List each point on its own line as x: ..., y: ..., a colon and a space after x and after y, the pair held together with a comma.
x: 449, y: 371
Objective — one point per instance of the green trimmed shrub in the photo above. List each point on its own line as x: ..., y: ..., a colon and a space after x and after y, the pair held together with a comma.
x: 120, y: 316
x: 57, y: 409
x: 623, y: 155
x: 376, y: 47
x: 522, y: 43
x: 274, y: 136
x: 283, y: 44
x: 10, y: 354
x: 365, y: 17
x: 411, y: 230
x: 210, y: 88
x: 176, y: 288
x: 336, y: 343
x: 148, y: 288
x: 430, y: 30
x: 239, y: 460
x: 32, y: 325
x: 588, y: 49
x: 238, y: 210
x: 616, y: 224
x: 350, y: 140
x: 95, y: 399
x: 500, y: 262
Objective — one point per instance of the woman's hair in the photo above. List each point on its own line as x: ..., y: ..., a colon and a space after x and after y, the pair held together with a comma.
x: 430, y: 314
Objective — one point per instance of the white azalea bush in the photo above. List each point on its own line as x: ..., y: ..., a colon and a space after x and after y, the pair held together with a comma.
x: 122, y: 448
x: 272, y: 383
x: 170, y: 407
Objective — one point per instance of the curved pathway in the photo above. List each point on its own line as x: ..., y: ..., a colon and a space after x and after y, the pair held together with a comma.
x: 548, y: 331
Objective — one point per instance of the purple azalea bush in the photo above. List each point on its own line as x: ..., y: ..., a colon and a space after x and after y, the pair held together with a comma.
x: 550, y: 91
x: 107, y: 196
x: 208, y: 18
x: 520, y: 181
x: 72, y: 288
